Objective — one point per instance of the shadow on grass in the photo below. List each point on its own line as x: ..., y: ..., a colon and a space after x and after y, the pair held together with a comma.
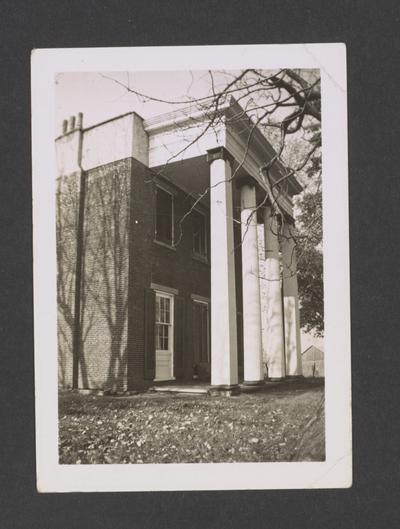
x: 295, y: 385
x: 73, y: 403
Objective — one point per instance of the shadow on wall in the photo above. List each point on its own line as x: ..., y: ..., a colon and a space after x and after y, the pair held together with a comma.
x: 104, y: 278
x: 274, y: 342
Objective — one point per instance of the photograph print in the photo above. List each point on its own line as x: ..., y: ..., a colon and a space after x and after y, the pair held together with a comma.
x: 189, y: 266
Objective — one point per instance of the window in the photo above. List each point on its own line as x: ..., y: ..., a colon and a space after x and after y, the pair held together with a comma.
x: 163, y: 322
x: 199, y: 224
x: 164, y: 217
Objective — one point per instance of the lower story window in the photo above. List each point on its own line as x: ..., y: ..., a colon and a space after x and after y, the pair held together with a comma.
x: 163, y: 322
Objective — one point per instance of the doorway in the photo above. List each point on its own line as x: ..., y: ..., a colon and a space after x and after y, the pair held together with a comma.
x: 164, y: 336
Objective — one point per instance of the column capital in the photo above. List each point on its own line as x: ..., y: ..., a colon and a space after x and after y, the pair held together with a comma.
x: 289, y: 233
x: 289, y: 221
x: 269, y: 212
x: 246, y: 181
x: 219, y: 153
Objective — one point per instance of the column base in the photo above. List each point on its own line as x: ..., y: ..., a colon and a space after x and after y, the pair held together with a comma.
x: 253, y: 382
x: 294, y: 377
x: 252, y: 386
x: 276, y: 379
x: 224, y: 390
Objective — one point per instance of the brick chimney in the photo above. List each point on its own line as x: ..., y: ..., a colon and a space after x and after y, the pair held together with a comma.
x: 69, y: 145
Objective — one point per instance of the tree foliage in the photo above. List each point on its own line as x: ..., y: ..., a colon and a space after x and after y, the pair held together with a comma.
x: 310, y: 262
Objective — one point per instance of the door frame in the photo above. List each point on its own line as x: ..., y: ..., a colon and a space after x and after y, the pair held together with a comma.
x: 171, y: 297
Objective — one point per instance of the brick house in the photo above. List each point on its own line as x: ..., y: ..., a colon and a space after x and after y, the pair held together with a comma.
x: 157, y: 251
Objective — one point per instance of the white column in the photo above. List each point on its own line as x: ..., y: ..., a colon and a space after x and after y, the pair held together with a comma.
x: 224, y: 359
x: 253, y: 362
x: 273, y: 324
x: 291, y: 304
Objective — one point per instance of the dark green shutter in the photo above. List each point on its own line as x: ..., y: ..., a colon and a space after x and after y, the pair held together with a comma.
x: 149, y: 338
x: 179, y: 335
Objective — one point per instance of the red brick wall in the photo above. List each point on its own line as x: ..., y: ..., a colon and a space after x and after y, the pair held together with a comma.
x: 104, y: 299
x: 153, y: 263
x: 67, y: 203
x: 104, y: 303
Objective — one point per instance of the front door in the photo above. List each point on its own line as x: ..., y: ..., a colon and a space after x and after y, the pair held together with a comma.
x: 164, y: 339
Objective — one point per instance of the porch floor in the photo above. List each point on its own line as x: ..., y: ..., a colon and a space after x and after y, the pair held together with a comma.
x: 182, y: 386
x: 203, y: 387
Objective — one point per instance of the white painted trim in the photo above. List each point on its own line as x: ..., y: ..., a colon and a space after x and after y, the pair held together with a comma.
x: 171, y: 336
x: 163, y: 183
x: 164, y: 244
x: 199, y: 299
x: 178, y: 117
x: 161, y: 289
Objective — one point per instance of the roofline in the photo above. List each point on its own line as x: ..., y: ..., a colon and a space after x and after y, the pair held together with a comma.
x: 309, y: 347
x: 100, y: 123
x: 189, y: 115
x: 176, y: 117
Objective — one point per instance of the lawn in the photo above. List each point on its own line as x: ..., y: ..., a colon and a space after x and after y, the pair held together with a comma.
x: 281, y: 423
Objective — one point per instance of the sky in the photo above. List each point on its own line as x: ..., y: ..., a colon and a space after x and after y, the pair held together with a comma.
x: 99, y: 97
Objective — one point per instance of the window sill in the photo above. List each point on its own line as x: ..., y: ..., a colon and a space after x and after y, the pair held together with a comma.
x: 203, y: 259
x: 164, y: 245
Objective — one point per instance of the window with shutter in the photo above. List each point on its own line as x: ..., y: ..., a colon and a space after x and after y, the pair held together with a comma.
x: 199, y: 227
x: 164, y: 217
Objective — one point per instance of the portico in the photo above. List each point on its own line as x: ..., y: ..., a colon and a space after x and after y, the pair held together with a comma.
x: 239, y: 193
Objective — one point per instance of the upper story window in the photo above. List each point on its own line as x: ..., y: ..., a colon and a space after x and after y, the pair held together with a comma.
x: 164, y: 217
x: 199, y: 224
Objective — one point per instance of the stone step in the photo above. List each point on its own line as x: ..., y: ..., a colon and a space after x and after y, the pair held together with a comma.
x: 181, y: 389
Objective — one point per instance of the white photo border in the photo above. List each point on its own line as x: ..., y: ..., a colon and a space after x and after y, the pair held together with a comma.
x: 336, y: 470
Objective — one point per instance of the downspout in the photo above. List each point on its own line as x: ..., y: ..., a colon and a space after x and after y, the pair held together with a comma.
x: 77, y: 334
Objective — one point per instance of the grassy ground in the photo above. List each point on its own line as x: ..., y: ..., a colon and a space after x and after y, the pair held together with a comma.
x: 283, y: 423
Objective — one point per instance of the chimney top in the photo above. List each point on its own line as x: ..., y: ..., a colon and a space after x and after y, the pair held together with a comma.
x: 72, y: 124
